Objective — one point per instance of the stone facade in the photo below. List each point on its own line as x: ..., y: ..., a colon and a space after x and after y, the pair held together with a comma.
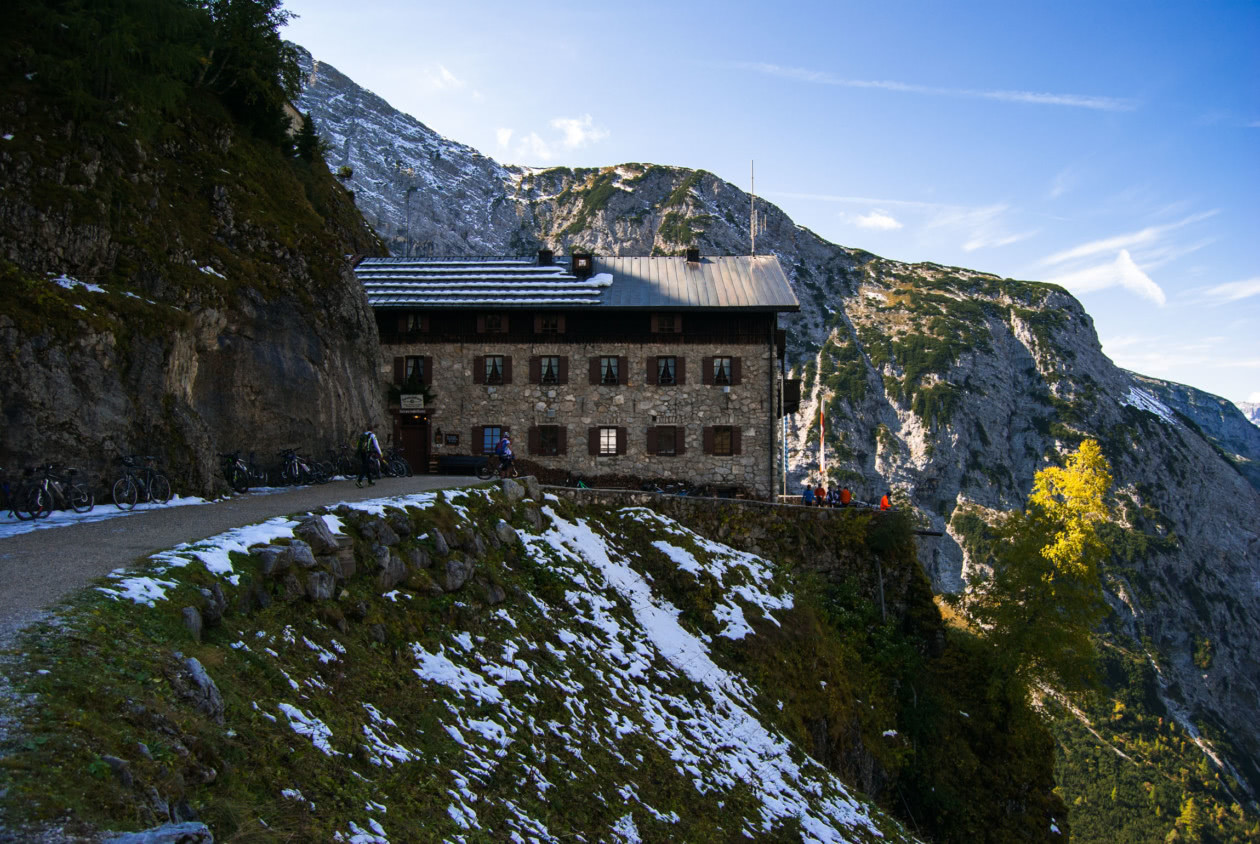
x: 460, y: 405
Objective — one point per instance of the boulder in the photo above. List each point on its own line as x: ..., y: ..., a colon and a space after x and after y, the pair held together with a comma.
x: 506, y: 534
x: 121, y: 769
x: 495, y: 594
x: 471, y: 540
x: 378, y: 531
x: 320, y: 586
x: 534, y: 517
x: 417, y: 558
x: 315, y: 532
x: 273, y: 558
x: 193, y: 683
x: 512, y: 490
x: 171, y: 833
x: 192, y: 621
x: 291, y: 588
x: 216, y: 604
x: 458, y: 569
x: 301, y: 555
x: 392, y: 572
x: 440, y: 545
x: 400, y: 524
x: 533, y: 489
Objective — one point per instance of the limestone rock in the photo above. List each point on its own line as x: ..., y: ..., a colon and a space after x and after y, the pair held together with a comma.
x: 507, y: 534
x: 418, y: 558
x: 512, y: 490
x: 440, y: 546
x: 301, y: 555
x: 216, y: 604
x: 320, y: 585
x: 458, y: 569
x: 171, y: 833
x: 391, y: 573
x: 273, y: 558
x: 194, y: 684
x: 533, y: 489
x: 315, y: 532
x: 192, y: 621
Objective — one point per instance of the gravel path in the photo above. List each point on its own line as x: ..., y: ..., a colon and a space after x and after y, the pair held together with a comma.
x: 39, y: 568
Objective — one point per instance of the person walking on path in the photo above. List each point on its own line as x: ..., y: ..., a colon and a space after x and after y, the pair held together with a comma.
x: 369, y: 448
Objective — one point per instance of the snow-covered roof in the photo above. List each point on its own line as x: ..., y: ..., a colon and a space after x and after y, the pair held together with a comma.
x: 658, y: 283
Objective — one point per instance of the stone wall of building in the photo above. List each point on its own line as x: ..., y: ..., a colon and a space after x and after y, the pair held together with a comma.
x: 459, y: 404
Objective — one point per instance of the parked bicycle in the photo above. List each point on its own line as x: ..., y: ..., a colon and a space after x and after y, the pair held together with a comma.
x: 296, y: 469
x: 395, y: 464
x: 343, y: 460
x: 670, y: 487
x: 140, y: 483
x: 235, y: 471
x: 257, y: 474
x: 43, y: 490
x: 494, y: 467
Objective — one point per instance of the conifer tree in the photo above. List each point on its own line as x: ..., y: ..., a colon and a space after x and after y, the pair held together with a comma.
x: 1045, y: 594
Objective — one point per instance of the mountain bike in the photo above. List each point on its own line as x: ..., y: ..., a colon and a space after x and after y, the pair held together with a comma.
x: 140, y: 483
x: 235, y: 472
x: 395, y: 464
x: 257, y: 474
x: 343, y: 460
x: 493, y: 467
x: 42, y: 490
x: 296, y: 469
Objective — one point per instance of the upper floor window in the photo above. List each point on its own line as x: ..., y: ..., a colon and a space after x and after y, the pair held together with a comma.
x: 413, y: 370
x: 549, y: 369
x: 494, y: 369
x: 666, y: 323
x: 723, y: 440
x: 608, y: 371
x: 549, y: 324
x: 492, y: 323
x: 415, y: 322
x: 667, y: 440
x: 722, y: 371
x: 667, y: 370
x: 607, y: 441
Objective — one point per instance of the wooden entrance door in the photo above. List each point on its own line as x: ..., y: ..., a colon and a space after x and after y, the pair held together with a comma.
x: 414, y: 438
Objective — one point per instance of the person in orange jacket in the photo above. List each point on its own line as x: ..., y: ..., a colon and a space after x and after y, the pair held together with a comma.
x: 846, y: 497
x: 820, y: 495
x: 884, y: 503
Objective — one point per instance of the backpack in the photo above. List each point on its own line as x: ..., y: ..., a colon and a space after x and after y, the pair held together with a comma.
x: 364, y: 440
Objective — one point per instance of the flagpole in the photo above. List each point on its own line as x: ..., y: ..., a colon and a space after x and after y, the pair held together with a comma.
x: 822, y: 454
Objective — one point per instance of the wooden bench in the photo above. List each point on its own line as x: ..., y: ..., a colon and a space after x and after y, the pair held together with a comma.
x: 460, y: 464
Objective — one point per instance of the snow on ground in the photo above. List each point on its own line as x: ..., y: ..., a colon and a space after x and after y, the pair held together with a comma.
x: 12, y: 526
x: 1143, y: 400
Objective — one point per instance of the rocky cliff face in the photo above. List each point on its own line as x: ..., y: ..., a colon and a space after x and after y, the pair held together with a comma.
x: 176, y: 295
x: 948, y: 386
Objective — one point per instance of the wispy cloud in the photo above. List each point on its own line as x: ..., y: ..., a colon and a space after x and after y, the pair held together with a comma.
x: 819, y: 77
x: 878, y: 220
x: 438, y: 78
x: 1146, y: 236
x: 1063, y: 182
x: 1234, y: 290
x: 574, y: 132
x: 1122, y: 272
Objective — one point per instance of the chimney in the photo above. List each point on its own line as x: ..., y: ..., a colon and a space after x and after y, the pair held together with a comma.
x: 583, y: 264
x: 546, y: 257
x: 693, y: 256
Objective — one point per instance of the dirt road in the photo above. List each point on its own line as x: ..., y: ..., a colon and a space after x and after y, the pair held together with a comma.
x: 39, y: 568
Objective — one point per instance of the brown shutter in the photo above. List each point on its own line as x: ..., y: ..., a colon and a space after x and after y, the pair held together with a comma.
x: 736, y: 440
x: 594, y: 370
x: 507, y: 369
x: 479, y: 369
x: 708, y: 439
x: 560, y: 323
x: 737, y: 370
x: 535, y: 369
x: 537, y: 323
x: 535, y: 440
x: 652, y: 372
x: 504, y: 325
x: 621, y: 440
x: 402, y: 323
x: 656, y: 324
x: 651, y: 440
x: 564, y: 370
x: 399, y: 370
x: 424, y: 322
x: 680, y: 440
x: 481, y: 323
x: 623, y: 371
x: 428, y: 369
x: 592, y: 440
x: 706, y: 371
x: 680, y: 371
x: 562, y: 441
x: 475, y: 439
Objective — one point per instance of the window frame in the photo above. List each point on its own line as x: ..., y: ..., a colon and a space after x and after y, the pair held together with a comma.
x: 673, y: 440
x: 673, y: 370
x: 607, y: 441
x: 723, y: 376
x: 606, y: 363
x: 487, y: 364
x: 721, y: 432
x: 542, y: 370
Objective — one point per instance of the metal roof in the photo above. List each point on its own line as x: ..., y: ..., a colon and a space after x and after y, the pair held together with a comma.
x: 656, y: 283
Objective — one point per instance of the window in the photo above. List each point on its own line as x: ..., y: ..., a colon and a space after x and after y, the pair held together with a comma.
x: 413, y: 371
x: 549, y: 324
x: 548, y: 440
x: 492, y: 323
x: 608, y: 371
x: 607, y: 441
x: 723, y: 440
x: 415, y: 322
x: 494, y: 369
x: 667, y: 371
x: 549, y: 370
x: 490, y: 436
x: 666, y: 323
x: 722, y: 371
x: 666, y: 440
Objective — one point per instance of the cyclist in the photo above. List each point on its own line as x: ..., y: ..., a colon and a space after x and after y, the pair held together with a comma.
x: 368, y: 449
x: 504, y: 450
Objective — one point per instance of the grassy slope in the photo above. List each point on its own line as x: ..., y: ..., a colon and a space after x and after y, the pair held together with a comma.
x: 557, y: 711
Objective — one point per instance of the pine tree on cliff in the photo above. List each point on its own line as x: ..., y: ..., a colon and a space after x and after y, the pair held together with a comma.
x: 1044, y: 597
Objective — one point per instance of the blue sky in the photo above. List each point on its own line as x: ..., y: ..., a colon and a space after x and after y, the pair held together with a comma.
x: 1113, y: 148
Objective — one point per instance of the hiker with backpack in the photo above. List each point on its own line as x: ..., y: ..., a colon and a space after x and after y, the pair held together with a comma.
x: 368, y: 450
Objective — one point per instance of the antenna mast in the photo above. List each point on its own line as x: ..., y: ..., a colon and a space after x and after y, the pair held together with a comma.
x: 752, y: 206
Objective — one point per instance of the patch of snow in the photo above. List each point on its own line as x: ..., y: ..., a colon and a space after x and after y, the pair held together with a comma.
x: 1143, y: 400
x: 311, y: 727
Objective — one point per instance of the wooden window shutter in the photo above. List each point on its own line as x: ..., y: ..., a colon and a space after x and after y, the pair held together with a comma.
x: 680, y: 440
x: 737, y: 371
x: 424, y: 322
x: 504, y: 327
x: 652, y: 374
x: 708, y: 439
x: 592, y: 441
x: 623, y: 373
x: 564, y: 370
x: 478, y: 433
x: 535, y: 440
x: 507, y: 369
x: 560, y: 323
x: 535, y: 369
x: 656, y: 324
x: 398, y: 370
x: 402, y: 323
x: 680, y: 370
x: 621, y: 440
x: 651, y: 440
x: 562, y: 441
x: 706, y: 373
x: 595, y: 370
x: 428, y: 370
x: 481, y: 323
x: 537, y: 323
x: 736, y: 440
x: 479, y: 369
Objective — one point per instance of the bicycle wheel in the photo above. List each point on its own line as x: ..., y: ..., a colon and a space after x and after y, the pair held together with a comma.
x: 80, y: 498
x: 40, y: 503
x: 160, y: 489
x: 125, y: 493
x: 406, y: 467
x: 397, y: 468
x: 238, y: 479
x: 485, y: 471
x: 25, y: 503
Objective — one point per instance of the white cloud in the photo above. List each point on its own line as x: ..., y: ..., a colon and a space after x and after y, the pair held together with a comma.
x: 1122, y: 272
x: 1030, y: 97
x: 1064, y: 181
x: 503, y: 136
x: 579, y: 131
x: 1144, y: 237
x: 878, y: 220
x: 1254, y: 398
x: 440, y: 79
x: 1235, y: 290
